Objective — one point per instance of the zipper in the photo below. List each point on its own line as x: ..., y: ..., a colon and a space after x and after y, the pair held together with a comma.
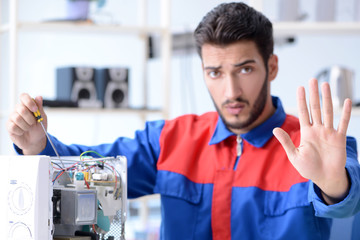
x: 239, y: 145
x: 238, y: 150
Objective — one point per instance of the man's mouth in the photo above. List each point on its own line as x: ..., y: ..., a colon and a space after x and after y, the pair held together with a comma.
x: 234, y: 108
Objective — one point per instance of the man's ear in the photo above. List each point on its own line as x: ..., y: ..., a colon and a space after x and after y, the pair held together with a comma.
x: 273, y: 67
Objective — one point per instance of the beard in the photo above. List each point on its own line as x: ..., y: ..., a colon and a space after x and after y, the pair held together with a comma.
x: 255, y: 112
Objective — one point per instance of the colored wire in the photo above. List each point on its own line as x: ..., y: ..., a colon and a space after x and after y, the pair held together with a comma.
x: 87, y: 184
x: 78, y: 164
x: 58, y: 175
x: 66, y: 169
x: 90, y: 151
x: 114, y: 175
x: 60, y: 167
x: 94, y: 229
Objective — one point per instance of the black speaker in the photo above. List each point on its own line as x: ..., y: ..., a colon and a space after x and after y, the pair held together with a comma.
x: 76, y: 84
x: 112, y: 86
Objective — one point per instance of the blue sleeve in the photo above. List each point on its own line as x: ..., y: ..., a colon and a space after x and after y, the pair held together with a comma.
x: 351, y: 204
x: 142, y: 153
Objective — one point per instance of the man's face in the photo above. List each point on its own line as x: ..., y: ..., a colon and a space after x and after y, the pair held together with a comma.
x: 237, y: 80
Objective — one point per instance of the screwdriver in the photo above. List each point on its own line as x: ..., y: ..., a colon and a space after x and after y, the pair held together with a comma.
x: 39, y: 119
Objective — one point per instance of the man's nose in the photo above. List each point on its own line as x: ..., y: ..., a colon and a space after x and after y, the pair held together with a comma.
x: 232, y: 87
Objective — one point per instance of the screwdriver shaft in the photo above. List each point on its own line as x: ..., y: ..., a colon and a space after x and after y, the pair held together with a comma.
x: 57, y: 154
x: 48, y: 137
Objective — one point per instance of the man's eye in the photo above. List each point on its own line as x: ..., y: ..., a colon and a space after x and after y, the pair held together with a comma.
x: 214, y: 74
x: 246, y: 70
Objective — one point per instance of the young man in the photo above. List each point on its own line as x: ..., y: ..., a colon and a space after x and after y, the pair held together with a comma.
x: 223, y: 175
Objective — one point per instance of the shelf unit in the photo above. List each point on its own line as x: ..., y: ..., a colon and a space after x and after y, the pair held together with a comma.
x: 315, y: 28
x: 142, y: 31
x: 14, y: 27
x: 89, y: 28
x: 337, y: 111
x: 141, y: 113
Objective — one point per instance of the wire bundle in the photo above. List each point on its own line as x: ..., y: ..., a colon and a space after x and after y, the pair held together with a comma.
x: 85, y: 163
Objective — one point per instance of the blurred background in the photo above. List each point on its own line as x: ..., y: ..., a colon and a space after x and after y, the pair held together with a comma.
x: 107, y: 66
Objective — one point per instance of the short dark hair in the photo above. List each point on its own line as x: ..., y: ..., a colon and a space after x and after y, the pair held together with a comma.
x: 232, y: 22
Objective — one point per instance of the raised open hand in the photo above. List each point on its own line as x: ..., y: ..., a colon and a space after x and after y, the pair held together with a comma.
x: 321, y: 155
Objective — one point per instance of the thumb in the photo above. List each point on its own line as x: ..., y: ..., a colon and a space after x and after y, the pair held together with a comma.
x: 285, y: 142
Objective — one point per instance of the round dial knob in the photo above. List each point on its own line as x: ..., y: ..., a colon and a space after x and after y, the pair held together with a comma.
x: 20, y: 199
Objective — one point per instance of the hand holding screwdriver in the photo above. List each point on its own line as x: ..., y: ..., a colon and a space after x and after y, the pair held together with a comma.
x: 40, y: 119
x: 23, y: 128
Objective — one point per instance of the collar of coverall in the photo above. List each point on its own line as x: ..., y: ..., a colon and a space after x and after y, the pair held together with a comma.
x: 257, y: 136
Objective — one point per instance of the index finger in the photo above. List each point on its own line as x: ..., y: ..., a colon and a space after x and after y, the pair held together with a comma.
x: 28, y: 102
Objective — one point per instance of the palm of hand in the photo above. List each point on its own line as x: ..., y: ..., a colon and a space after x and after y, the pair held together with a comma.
x: 321, y: 155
